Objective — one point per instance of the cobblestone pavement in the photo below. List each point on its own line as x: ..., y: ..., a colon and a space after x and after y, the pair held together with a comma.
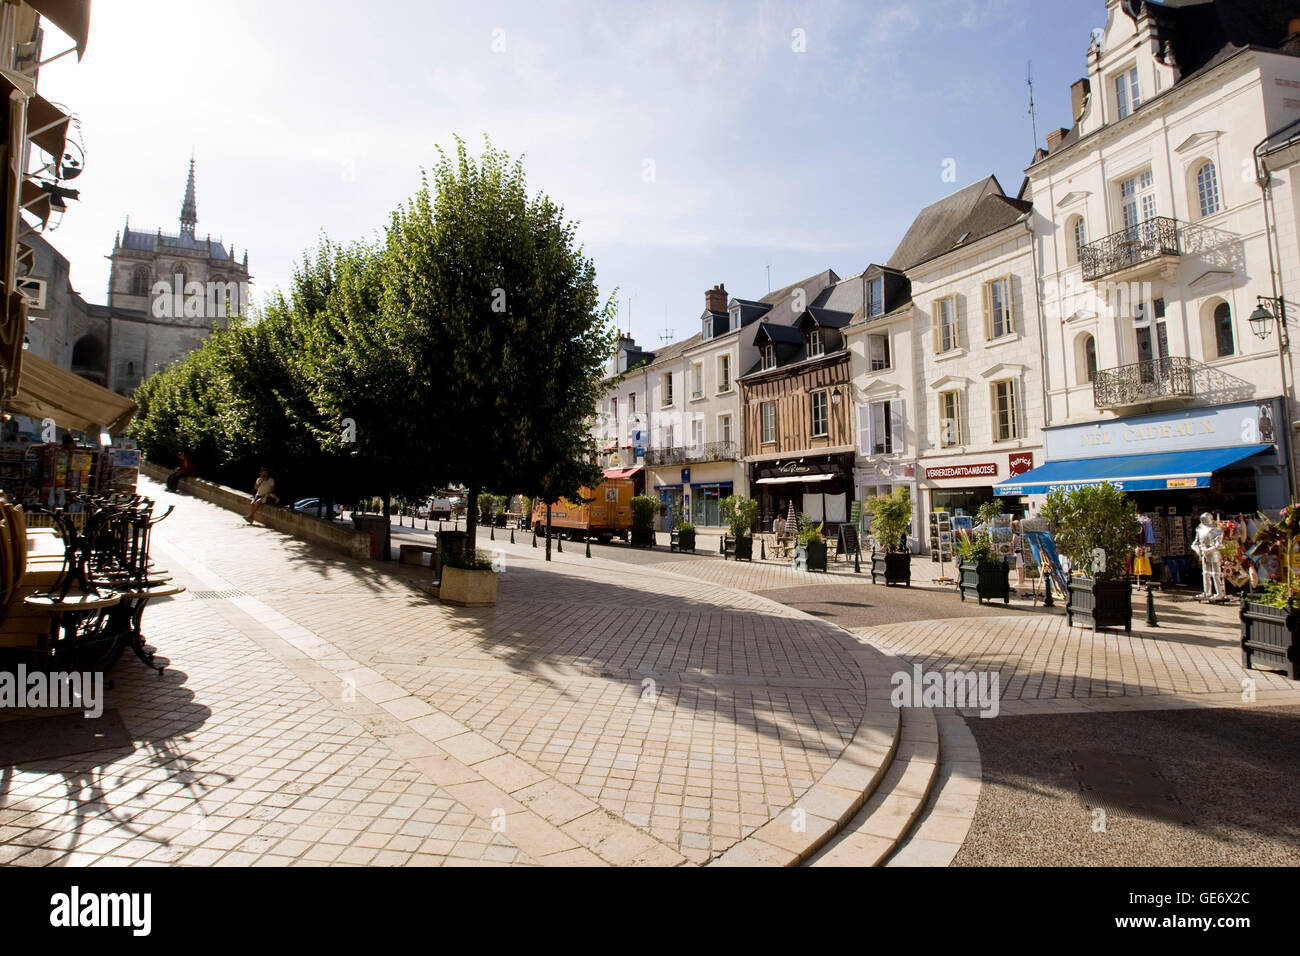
x: 320, y: 711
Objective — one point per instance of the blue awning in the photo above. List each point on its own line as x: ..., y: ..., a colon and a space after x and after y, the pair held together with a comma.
x: 1172, y: 470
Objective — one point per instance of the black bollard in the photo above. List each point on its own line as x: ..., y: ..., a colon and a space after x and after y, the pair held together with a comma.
x: 534, y: 536
x: 492, y: 532
x: 1047, y: 592
x: 426, y: 521
x: 1151, y: 608
x: 588, y: 547
x: 512, y: 535
x: 857, y: 566
x: 762, y: 549
x: 559, y: 544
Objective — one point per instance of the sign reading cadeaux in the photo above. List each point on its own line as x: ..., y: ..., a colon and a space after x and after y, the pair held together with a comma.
x: 1224, y: 426
x: 982, y: 470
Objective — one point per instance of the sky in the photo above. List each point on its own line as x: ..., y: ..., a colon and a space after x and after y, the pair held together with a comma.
x: 694, y: 143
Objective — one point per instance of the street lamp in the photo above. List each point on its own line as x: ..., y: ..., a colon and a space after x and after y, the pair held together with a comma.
x: 1268, y: 311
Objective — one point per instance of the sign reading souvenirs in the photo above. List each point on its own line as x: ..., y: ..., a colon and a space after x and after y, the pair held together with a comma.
x: 984, y: 470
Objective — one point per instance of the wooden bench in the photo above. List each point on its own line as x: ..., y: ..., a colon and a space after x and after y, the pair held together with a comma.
x: 414, y: 553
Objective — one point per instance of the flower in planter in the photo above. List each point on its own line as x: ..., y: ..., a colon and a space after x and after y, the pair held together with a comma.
x: 1277, y: 548
x: 809, y: 533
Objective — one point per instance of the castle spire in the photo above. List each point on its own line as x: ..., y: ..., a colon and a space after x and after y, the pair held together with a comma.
x: 189, y: 208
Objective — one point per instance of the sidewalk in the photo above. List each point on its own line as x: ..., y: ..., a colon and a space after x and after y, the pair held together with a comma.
x: 316, y: 710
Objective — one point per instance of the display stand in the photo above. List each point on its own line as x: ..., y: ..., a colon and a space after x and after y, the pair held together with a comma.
x: 941, y: 544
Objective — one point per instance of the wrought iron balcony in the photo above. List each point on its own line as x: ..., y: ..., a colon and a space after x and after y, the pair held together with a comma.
x: 685, y: 455
x: 1146, y: 242
x: 1166, y: 379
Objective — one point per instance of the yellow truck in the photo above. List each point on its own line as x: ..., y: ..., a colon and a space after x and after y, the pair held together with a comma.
x: 608, y: 515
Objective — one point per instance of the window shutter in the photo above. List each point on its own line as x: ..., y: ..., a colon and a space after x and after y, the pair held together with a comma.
x: 1011, y: 309
x: 896, y: 426
x: 988, y: 311
x: 938, y: 327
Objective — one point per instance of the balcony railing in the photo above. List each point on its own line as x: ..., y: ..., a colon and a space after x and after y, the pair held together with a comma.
x: 1129, y: 247
x: 685, y: 455
x: 1164, y: 379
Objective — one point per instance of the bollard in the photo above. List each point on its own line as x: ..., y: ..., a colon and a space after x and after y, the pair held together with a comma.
x: 534, y: 536
x: 1047, y: 592
x: 762, y: 549
x: 588, y: 547
x: 1151, y: 608
x: 857, y: 566
x: 426, y: 521
x: 559, y: 543
x: 512, y: 535
x: 492, y: 532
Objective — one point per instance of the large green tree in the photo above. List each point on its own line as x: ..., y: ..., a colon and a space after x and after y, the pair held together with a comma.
x: 517, y: 336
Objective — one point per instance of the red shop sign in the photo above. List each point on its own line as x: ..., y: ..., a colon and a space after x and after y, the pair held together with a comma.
x: 989, y: 470
x: 1020, y: 462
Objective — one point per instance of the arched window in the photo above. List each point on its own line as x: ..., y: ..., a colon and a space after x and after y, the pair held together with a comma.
x: 1223, y: 330
x: 1207, y: 189
x: 1076, y: 237
x: 140, y: 282
x: 1090, y: 358
x: 130, y: 368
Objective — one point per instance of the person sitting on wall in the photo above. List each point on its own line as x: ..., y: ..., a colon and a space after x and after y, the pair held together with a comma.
x: 263, y: 491
x: 184, y: 469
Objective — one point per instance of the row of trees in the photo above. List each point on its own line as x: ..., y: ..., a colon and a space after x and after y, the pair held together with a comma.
x: 466, y: 345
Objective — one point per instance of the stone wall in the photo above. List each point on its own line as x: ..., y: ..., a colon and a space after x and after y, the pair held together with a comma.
x: 330, y: 534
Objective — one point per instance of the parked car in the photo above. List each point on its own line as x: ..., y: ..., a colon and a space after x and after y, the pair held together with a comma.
x: 310, y: 506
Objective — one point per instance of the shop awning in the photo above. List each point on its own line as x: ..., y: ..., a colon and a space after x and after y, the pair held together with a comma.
x: 47, y: 391
x: 794, y: 479
x: 47, y: 126
x: 610, y: 447
x: 622, y: 472
x: 1172, y: 470
x: 70, y: 16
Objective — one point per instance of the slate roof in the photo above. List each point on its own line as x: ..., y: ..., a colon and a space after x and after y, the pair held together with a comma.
x: 1203, y: 33
x: 154, y: 241
x: 931, y: 232
x: 991, y: 214
x: 830, y: 320
x: 777, y: 332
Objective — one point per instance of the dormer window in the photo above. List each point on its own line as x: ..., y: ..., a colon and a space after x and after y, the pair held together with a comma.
x: 769, y: 355
x: 875, y: 297
x: 706, y: 327
x: 815, y: 344
x: 735, y: 317
x: 1128, y: 95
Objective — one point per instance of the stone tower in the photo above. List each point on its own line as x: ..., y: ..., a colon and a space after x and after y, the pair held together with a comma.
x: 167, y: 292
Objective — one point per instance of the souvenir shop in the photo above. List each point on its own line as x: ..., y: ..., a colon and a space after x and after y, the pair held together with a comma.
x: 1227, y: 461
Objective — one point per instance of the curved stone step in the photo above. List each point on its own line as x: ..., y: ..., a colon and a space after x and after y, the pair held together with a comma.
x: 893, y: 807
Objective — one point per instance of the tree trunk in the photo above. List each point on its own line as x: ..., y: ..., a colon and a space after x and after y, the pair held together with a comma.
x: 388, y: 530
x: 471, y: 520
x: 548, y: 531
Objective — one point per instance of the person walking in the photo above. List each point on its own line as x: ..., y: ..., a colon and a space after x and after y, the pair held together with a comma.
x: 263, y: 491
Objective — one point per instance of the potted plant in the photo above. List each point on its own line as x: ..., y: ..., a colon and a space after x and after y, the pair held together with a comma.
x: 740, y: 513
x: 644, y: 512
x: 810, y: 555
x: 685, y: 536
x: 1270, y: 619
x: 467, y: 581
x: 1095, y: 527
x: 981, y: 574
x: 891, y: 519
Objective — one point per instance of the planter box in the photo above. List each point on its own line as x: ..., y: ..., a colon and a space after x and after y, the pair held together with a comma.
x: 1268, y: 638
x: 744, y: 548
x: 682, y: 540
x: 894, y: 566
x: 1099, y: 604
x: 810, y: 557
x: 985, y: 581
x: 643, y: 537
x: 468, y: 588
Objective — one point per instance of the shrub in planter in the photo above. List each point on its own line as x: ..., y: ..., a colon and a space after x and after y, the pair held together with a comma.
x: 467, y: 581
x: 1270, y: 619
x: 644, y: 512
x: 685, y: 536
x: 981, y: 574
x: 1095, y: 527
x: 740, y: 513
x: 810, y: 555
x: 891, y: 519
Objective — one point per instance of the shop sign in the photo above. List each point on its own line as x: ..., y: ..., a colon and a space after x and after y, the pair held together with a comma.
x: 1224, y: 426
x: 1020, y: 463
x: 686, y: 476
x: 983, y: 470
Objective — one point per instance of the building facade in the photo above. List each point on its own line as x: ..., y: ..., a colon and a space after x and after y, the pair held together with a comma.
x: 1159, y: 239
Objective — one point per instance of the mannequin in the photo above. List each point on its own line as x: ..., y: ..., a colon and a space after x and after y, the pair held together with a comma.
x: 1208, y: 545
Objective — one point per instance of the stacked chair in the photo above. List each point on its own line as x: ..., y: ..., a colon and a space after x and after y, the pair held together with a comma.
x: 76, y: 600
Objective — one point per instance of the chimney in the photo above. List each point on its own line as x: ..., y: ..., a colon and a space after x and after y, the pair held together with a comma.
x: 1079, y: 92
x: 1054, y: 139
x: 715, y: 299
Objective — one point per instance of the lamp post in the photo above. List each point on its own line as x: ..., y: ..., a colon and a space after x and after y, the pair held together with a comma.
x: 1268, y: 311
